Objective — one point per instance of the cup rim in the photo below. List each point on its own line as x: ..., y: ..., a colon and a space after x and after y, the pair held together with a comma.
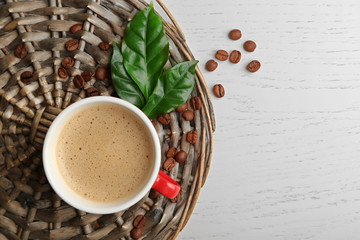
x: 98, y: 207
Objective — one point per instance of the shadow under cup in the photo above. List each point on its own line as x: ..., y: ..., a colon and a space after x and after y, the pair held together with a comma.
x: 57, y: 180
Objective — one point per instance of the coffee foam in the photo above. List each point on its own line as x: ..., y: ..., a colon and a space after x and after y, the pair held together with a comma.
x: 105, y: 153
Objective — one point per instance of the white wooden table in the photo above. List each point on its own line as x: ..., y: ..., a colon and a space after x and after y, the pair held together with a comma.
x: 286, y: 161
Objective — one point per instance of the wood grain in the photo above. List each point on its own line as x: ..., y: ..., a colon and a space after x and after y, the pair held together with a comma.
x: 286, y: 161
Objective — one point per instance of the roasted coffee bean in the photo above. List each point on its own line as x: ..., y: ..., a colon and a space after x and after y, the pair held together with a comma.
x: 176, y: 199
x: 67, y: 62
x: 192, y: 137
x: 139, y: 221
x: 195, y: 103
x: 222, y: 55
x: 235, y: 56
x: 164, y: 119
x: 253, y: 66
x: 71, y: 45
x: 104, y: 46
x: 87, y: 75
x: 26, y: 77
x: 169, y: 164
x: 20, y: 51
x: 188, y: 115
x: 78, y: 81
x: 235, y: 34
x: 136, y: 233
x: 62, y: 73
x: 211, y: 65
x: 92, y: 92
x: 182, y: 108
x: 181, y: 156
x: 153, y: 194
x: 219, y: 90
x: 249, y: 46
x: 75, y: 28
x: 171, y: 152
x: 100, y: 73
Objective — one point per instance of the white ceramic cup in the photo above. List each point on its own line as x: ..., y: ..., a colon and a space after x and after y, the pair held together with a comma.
x: 157, y: 180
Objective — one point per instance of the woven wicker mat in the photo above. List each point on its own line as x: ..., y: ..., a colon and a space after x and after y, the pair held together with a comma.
x: 29, y: 208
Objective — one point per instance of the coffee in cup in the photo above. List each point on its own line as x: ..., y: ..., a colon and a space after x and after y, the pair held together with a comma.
x: 104, y: 153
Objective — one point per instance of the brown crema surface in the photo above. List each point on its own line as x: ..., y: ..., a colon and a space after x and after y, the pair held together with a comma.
x: 105, y: 153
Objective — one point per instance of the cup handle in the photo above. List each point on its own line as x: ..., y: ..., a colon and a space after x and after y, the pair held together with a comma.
x: 165, y: 185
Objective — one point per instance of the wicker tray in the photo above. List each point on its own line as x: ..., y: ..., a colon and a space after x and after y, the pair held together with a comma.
x: 29, y: 208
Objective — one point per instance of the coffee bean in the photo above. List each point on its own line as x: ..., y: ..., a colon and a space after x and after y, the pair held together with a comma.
x: 164, y: 119
x: 192, y: 137
x: 169, y: 164
x: 222, y: 55
x: 62, y: 73
x: 211, y: 65
x: 26, y: 77
x: 71, y: 45
x: 249, y: 46
x: 253, y: 66
x: 87, y: 75
x: 92, y: 92
x: 78, y: 81
x: 75, y: 28
x: 235, y: 34
x: 171, y: 152
x: 235, y: 56
x: 20, y: 51
x: 153, y: 194
x: 195, y: 103
x: 67, y: 62
x: 182, y: 108
x: 176, y: 199
x: 219, y: 90
x: 139, y: 221
x: 136, y: 233
x: 104, y: 46
x: 181, y: 156
x: 100, y: 73
x: 188, y: 115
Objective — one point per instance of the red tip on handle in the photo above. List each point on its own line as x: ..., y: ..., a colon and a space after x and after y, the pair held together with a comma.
x: 165, y: 185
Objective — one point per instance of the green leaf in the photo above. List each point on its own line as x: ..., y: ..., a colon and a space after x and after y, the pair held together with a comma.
x: 173, y: 89
x: 145, y: 49
x: 124, y: 86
